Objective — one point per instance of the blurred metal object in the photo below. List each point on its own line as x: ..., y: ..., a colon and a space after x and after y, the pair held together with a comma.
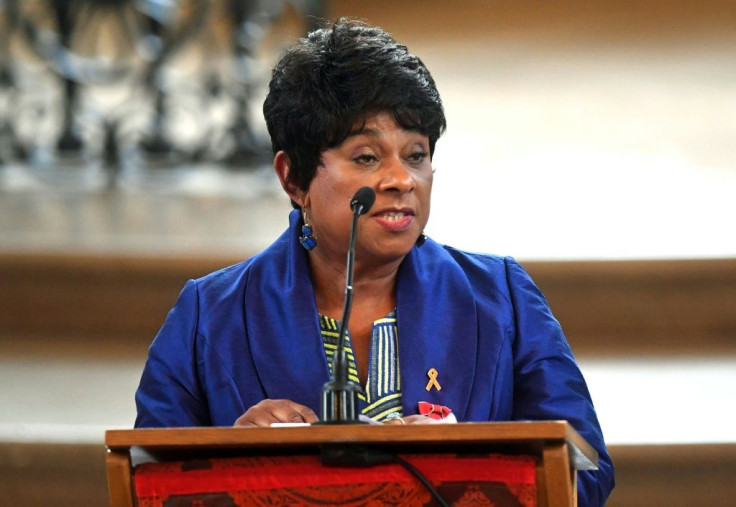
x: 104, y: 90
x: 8, y: 14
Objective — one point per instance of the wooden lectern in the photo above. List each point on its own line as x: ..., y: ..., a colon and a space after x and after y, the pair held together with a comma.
x: 557, y: 449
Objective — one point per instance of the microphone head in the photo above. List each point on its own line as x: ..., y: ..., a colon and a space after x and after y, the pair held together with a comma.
x: 363, y: 200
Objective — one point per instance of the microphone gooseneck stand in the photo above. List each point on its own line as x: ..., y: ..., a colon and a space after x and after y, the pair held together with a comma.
x: 339, y: 394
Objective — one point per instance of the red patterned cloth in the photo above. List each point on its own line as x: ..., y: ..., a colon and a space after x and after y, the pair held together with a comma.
x: 476, y: 480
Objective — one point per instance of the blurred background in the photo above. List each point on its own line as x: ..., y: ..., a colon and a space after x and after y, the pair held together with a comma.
x: 593, y: 141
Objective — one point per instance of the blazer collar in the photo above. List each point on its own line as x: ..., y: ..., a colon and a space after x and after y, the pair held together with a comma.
x: 282, y: 322
x: 437, y: 329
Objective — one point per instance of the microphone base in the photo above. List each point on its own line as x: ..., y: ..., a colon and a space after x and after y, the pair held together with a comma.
x: 340, y: 403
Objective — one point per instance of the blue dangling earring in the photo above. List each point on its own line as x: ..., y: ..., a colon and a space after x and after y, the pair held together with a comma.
x: 307, y: 239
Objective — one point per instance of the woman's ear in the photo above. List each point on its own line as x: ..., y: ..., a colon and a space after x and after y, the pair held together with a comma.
x: 282, y: 166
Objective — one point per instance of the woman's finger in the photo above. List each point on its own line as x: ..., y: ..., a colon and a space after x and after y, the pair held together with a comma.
x: 267, y: 412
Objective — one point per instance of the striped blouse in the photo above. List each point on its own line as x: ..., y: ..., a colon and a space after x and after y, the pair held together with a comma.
x: 381, y: 394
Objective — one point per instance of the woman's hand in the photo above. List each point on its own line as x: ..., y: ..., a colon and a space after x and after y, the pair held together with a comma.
x: 267, y: 412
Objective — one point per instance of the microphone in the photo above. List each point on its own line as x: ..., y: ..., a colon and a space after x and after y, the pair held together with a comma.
x: 339, y: 394
x: 362, y: 200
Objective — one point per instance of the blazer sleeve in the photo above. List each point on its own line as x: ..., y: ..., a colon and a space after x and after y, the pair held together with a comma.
x: 170, y: 392
x: 548, y: 383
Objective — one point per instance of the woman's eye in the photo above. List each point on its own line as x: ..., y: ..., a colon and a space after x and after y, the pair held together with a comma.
x: 418, y: 157
x: 365, y: 159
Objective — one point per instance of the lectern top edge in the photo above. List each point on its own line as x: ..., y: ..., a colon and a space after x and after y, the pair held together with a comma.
x: 582, y: 455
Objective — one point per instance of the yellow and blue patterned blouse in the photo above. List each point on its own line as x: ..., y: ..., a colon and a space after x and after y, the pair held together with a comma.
x: 381, y: 394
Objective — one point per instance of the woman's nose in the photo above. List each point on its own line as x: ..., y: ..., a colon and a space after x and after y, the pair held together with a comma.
x: 396, y: 176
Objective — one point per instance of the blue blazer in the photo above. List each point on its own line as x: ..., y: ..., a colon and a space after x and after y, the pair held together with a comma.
x: 251, y: 331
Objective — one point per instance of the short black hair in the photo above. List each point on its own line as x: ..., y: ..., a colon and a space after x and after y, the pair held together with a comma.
x: 334, y: 78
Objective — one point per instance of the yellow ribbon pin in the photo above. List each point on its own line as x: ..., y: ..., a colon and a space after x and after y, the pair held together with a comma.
x: 432, y: 374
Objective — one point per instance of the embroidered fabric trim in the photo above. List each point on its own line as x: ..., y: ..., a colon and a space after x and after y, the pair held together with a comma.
x: 381, y: 395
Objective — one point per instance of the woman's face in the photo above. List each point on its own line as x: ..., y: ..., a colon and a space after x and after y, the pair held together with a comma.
x: 396, y: 164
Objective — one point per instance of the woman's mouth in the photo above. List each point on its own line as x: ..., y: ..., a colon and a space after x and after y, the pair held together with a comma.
x: 394, y: 220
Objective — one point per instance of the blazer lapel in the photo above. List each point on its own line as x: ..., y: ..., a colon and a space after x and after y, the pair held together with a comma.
x: 282, y: 323
x: 437, y: 329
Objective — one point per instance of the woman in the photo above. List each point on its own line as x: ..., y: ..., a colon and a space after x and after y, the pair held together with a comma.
x: 251, y: 344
